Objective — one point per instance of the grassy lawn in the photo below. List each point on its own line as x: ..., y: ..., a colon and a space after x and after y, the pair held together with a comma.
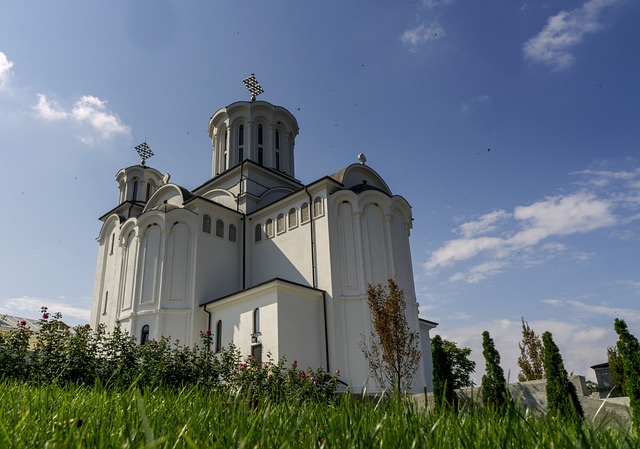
x: 82, y: 417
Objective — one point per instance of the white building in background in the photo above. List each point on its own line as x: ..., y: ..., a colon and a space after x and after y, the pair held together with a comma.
x: 261, y: 259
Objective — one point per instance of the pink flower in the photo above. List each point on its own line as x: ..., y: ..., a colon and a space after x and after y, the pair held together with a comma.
x: 23, y: 322
x: 269, y: 376
x: 208, y: 332
x: 45, y: 316
x: 337, y: 372
x: 87, y: 326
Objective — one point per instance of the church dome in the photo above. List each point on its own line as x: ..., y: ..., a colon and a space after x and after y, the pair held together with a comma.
x: 254, y: 130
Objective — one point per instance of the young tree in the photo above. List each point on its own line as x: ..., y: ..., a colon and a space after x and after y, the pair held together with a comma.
x: 629, y: 349
x: 616, y: 370
x: 562, y: 397
x: 494, y: 386
x: 461, y: 366
x: 442, y: 374
x: 393, y: 353
x: 531, y: 360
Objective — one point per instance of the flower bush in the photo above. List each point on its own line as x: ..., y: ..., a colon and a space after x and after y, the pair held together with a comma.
x: 88, y: 356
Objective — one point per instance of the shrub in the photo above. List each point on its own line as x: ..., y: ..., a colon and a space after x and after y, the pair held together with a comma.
x: 562, y: 398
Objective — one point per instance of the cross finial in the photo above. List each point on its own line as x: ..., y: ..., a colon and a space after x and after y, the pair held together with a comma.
x: 253, y: 86
x: 144, y: 151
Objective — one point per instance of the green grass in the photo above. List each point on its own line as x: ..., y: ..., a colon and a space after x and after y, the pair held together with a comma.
x: 82, y: 417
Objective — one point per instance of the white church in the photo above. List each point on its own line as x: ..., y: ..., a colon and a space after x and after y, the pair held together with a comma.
x: 263, y: 260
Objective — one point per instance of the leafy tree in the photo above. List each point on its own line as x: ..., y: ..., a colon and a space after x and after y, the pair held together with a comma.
x: 629, y: 349
x: 562, y: 397
x: 616, y: 370
x: 531, y: 360
x: 494, y: 386
x: 461, y: 366
x: 393, y: 353
x: 442, y: 375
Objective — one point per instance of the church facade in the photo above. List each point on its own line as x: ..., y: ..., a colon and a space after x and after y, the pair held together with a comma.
x: 259, y: 258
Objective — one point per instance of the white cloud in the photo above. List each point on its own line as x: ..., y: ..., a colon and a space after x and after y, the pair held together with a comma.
x: 479, y: 272
x: 89, y: 112
x: 555, y: 216
x: 483, y: 225
x: 30, y: 307
x: 5, y: 71
x: 531, y: 235
x: 422, y: 34
x: 49, y: 109
x: 629, y: 315
x: 92, y: 110
x: 565, y: 30
x: 473, y: 103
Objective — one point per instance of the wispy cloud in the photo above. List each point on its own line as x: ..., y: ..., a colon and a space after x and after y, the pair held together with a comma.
x: 552, y: 46
x: 493, y: 239
x: 415, y: 37
x: 30, y: 306
x: 5, y: 71
x: 435, y: 3
x: 88, y: 111
x: 473, y: 103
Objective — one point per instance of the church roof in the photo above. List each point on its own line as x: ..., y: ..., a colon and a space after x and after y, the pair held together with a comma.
x: 254, y: 287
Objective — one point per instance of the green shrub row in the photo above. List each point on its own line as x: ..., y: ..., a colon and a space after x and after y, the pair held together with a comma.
x: 88, y: 356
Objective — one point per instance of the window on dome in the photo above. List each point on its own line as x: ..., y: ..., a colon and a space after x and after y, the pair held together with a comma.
x: 260, y: 156
x: 206, y: 224
x: 135, y: 191
x: 148, y: 191
x: 240, y: 143
x: 219, y: 228
x: 293, y: 218
x: 113, y: 240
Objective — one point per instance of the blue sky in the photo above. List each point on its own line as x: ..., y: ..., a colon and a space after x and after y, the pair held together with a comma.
x: 512, y: 128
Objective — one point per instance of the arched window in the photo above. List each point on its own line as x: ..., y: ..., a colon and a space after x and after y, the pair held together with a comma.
x: 148, y: 191
x: 258, y: 233
x: 304, y: 212
x: 144, y: 335
x: 256, y: 321
x: 318, y: 208
x: 269, y: 228
x: 219, y: 228
x: 260, y: 143
x: 293, y: 218
x: 280, y: 223
x: 277, y: 160
x: 232, y: 233
x: 277, y: 139
x: 206, y: 224
x: 240, y: 143
x: 113, y: 240
x: 225, y: 161
x: 135, y: 191
x: 219, y: 336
